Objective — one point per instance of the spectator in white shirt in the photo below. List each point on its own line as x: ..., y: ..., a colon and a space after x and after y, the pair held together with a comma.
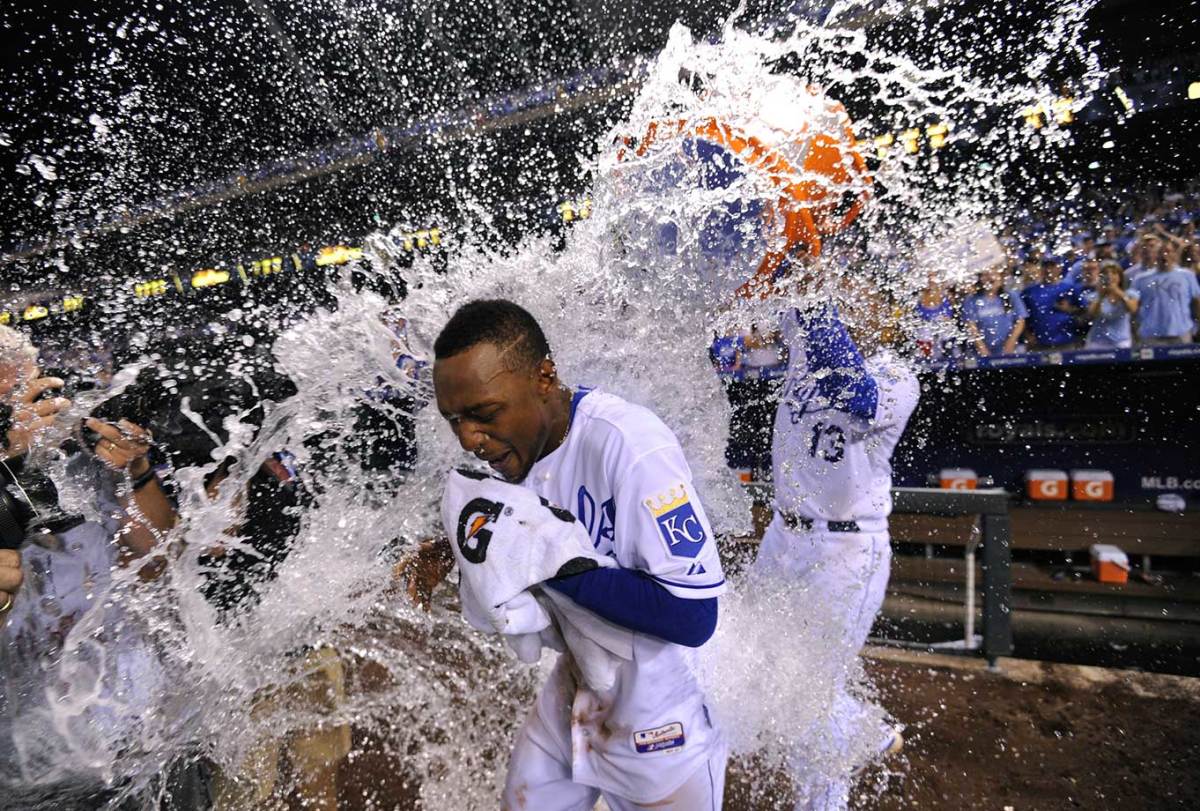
x: 1170, y: 300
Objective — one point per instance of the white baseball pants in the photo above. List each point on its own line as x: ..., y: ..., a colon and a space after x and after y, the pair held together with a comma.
x: 539, y: 778
x: 844, y: 575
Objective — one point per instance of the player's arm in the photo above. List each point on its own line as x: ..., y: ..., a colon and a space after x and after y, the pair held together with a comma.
x: 672, y: 593
x: 837, y: 365
x: 900, y: 391
x: 633, y: 600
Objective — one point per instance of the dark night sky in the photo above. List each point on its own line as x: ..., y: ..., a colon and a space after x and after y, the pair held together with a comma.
x: 125, y: 101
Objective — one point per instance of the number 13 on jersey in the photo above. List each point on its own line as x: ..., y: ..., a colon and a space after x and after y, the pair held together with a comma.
x: 829, y: 441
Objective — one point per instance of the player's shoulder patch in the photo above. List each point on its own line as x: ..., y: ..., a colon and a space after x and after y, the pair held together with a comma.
x: 678, y: 524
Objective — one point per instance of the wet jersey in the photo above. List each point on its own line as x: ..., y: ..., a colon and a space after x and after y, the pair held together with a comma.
x: 838, y: 422
x: 623, y: 475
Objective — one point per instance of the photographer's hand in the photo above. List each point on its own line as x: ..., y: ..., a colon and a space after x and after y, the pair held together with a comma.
x: 149, y: 514
x: 31, y: 416
x: 122, y: 446
x: 10, y: 580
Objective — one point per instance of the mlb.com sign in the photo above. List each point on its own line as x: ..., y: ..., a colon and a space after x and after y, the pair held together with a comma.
x: 1169, y: 483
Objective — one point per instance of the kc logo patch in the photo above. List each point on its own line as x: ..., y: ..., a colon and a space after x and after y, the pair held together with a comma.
x: 677, y: 522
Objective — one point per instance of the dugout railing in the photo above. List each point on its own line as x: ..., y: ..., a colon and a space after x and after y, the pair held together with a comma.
x: 994, y: 543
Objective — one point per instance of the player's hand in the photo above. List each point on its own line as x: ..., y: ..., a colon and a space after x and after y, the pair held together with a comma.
x: 122, y: 446
x: 31, y: 416
x: 424, y: 569
x: 10, y: 580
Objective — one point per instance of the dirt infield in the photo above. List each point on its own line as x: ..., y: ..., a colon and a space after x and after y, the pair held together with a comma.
x: 1033, y: 736
x: 1039, y: 736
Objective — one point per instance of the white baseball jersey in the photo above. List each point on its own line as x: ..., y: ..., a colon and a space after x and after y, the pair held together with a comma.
x: 837, y: 424
x: 623, y: 475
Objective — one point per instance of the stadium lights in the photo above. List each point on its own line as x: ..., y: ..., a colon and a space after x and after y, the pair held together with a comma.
x: 209, y: 277
x: 936, y: 133
x: 154, y: 287
x: 1032, y: 116
x: 204, y: 278
x: 1123, y: 97
x: 337, y: 255
x: 267, y: 267
x: 1063, y: 111
x: 418, y: 240
x: 36, y: 312
x: 1194, y: 91
x: 882, y: 142
x: 575, y: 209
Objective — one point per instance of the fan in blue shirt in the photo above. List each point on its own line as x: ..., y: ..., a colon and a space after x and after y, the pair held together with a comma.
x: 1052, y: 303
x: 994, y: 317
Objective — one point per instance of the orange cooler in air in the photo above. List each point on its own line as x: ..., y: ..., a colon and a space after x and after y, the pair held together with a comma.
x: 1046, y: 485
x: 1091, y: 485
x: 958, y: 478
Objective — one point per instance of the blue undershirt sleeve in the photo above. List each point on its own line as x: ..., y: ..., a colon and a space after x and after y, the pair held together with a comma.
x: 838, y: 366
x: 634, y: 601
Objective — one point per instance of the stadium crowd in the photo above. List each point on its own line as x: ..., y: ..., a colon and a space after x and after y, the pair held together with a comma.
x: 1126, y: 276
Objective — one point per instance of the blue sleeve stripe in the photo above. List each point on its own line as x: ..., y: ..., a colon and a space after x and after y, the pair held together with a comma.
x: 635, y: 601
x: 678, y: 585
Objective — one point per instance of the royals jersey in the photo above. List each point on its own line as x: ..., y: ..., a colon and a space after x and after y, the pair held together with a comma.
x: 838, y: 422
x: 623, y: 475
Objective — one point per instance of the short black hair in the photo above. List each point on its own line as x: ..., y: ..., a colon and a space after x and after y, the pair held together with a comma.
x: 494, y: 321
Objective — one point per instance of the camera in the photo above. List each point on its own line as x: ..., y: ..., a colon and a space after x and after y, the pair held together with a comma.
x: 29, y: 505
x: 185, y: 413
x: 74, y: 383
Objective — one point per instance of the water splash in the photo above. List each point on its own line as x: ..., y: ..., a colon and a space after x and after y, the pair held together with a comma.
x: 622, y: 312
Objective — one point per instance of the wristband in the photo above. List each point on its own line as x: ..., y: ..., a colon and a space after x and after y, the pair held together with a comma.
x: 143, y: 480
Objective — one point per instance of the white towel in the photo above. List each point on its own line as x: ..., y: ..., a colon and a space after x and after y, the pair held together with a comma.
x: 506, y: 541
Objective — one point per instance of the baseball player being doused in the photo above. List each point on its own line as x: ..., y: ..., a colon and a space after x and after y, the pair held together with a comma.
x: 627, y: 575
x: 844, y: 405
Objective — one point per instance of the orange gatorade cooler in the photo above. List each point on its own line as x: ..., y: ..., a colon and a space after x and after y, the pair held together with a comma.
x: 958, y: 478
x: 1046, y: 485
x: 1091, y: 485
x: 1109, y: 563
